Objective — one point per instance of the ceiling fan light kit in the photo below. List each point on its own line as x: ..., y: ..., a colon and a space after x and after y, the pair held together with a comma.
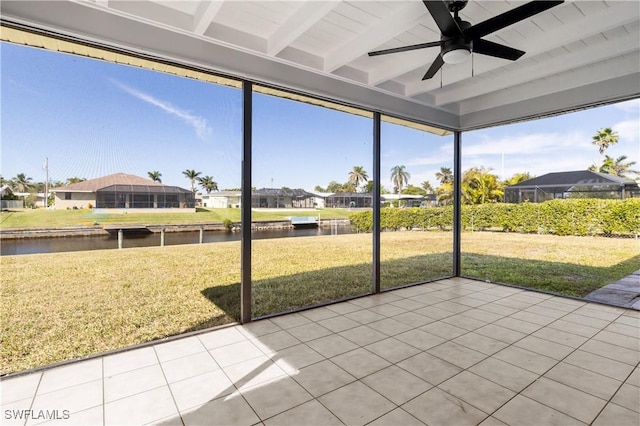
x: 459, y: 38
x: 455, y: 52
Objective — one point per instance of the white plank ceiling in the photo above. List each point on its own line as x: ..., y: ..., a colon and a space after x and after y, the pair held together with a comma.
x: 578, y: 54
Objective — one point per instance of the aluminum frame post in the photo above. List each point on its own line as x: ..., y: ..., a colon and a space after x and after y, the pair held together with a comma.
x: 245, y: 257
x: 457, y: 202
x: 375, y: 283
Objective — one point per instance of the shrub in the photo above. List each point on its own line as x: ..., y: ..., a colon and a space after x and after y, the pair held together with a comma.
x: 559, y: 217
x: 228, y: 224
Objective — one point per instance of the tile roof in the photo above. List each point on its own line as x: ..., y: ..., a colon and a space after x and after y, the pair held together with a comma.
x: 579, y: 177
x: 93, y: 185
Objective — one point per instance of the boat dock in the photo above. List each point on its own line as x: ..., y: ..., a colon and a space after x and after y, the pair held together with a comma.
x: 304, y: 221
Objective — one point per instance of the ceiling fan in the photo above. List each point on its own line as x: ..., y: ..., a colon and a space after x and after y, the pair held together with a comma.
x: 459, y: 38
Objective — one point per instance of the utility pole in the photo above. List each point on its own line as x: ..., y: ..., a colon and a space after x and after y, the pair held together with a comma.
x: 46, y: 182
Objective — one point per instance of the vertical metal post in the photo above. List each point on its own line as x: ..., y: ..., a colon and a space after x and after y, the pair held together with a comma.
x: 245, y: 260
x: 375, y: 285
x: 201, y: 239
x: 457, y: 202
x: 162, y: 237
x: 120, y: 238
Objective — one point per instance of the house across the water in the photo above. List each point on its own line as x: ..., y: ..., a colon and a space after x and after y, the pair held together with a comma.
x: 575, y: 184
x: 282, y: 198
x: 124, y: 192
x: 221, y: 199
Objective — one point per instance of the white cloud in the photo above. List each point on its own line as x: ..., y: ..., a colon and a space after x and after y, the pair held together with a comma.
x: 628, y: 130
x: 527, y: 144
x: 632, y: 106
x: 199, y: 124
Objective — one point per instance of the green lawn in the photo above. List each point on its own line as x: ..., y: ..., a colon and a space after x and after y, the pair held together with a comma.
x: 65, y: 305
x: 41, y: 218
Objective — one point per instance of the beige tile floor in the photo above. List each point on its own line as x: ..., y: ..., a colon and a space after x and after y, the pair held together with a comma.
x: 453, y: 352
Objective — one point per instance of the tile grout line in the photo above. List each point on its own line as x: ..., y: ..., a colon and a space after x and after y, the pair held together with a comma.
x: 104, y: 402
x: 35, y: 394
x: 543, y: 374
x: 610, y: 400
x: 237, y: 390
x: 556, y: 364
x: 489, y: 356
x: 175, y: 404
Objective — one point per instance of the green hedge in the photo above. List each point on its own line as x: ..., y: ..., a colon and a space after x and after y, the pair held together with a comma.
x: 559, y: 217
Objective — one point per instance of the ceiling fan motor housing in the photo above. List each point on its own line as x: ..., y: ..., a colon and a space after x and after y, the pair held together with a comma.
x: 456, y: 5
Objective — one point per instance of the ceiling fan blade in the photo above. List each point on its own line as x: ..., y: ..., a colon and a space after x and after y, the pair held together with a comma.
x: 503, y: 20
x: 440, y: 13
x: 490, y: 48
x: 405, y: 48
x: 433, y: 69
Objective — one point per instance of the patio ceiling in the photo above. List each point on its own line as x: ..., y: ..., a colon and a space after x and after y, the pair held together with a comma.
x: 578, y: 54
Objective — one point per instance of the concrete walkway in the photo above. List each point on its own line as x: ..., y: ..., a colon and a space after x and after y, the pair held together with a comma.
x: 624, y: 293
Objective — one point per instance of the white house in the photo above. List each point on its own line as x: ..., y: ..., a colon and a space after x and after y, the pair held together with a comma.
x: 222, y: 199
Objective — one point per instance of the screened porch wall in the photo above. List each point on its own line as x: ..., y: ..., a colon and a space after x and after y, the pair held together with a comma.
x: 144, y: 197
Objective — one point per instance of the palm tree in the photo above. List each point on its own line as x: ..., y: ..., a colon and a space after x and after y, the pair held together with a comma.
x: 426, y: 185
x: 155, y: 176
x: 208, y: 184
x: 399, y: 178
x: 615, y: 166
x: 517, y: 178
x: 357, y: 176
x: 445, y: 175
x: 445, y: 194
x: 604, y: 138
x: 74, y: 179
x: 348, y: 187
x: 192, y: 175
x: 480, y: 186
x: 21, y: 183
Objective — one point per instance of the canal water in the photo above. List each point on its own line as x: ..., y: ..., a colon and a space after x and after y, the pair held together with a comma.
x: 54, y: 245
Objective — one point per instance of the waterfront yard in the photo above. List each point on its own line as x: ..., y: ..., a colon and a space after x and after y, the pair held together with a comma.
x: 65, y: 305
x: 41, y: 218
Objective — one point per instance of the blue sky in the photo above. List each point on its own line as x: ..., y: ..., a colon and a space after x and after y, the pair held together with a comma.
x: 92, y: 118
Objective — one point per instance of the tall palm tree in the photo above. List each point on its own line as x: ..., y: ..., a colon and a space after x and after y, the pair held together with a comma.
x: 155, y: 176
x: 399, y: 178
x: 21, y: 183
x: 604, y: 138
x: 192, y: 175
x: 208, y: 184
x: 357, y: 176
x: 445, y: 175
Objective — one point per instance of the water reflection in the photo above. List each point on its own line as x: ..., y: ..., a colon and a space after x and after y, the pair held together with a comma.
x: 54, y: 245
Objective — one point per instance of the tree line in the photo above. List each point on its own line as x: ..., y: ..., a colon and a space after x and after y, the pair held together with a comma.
x: 479, y: 184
